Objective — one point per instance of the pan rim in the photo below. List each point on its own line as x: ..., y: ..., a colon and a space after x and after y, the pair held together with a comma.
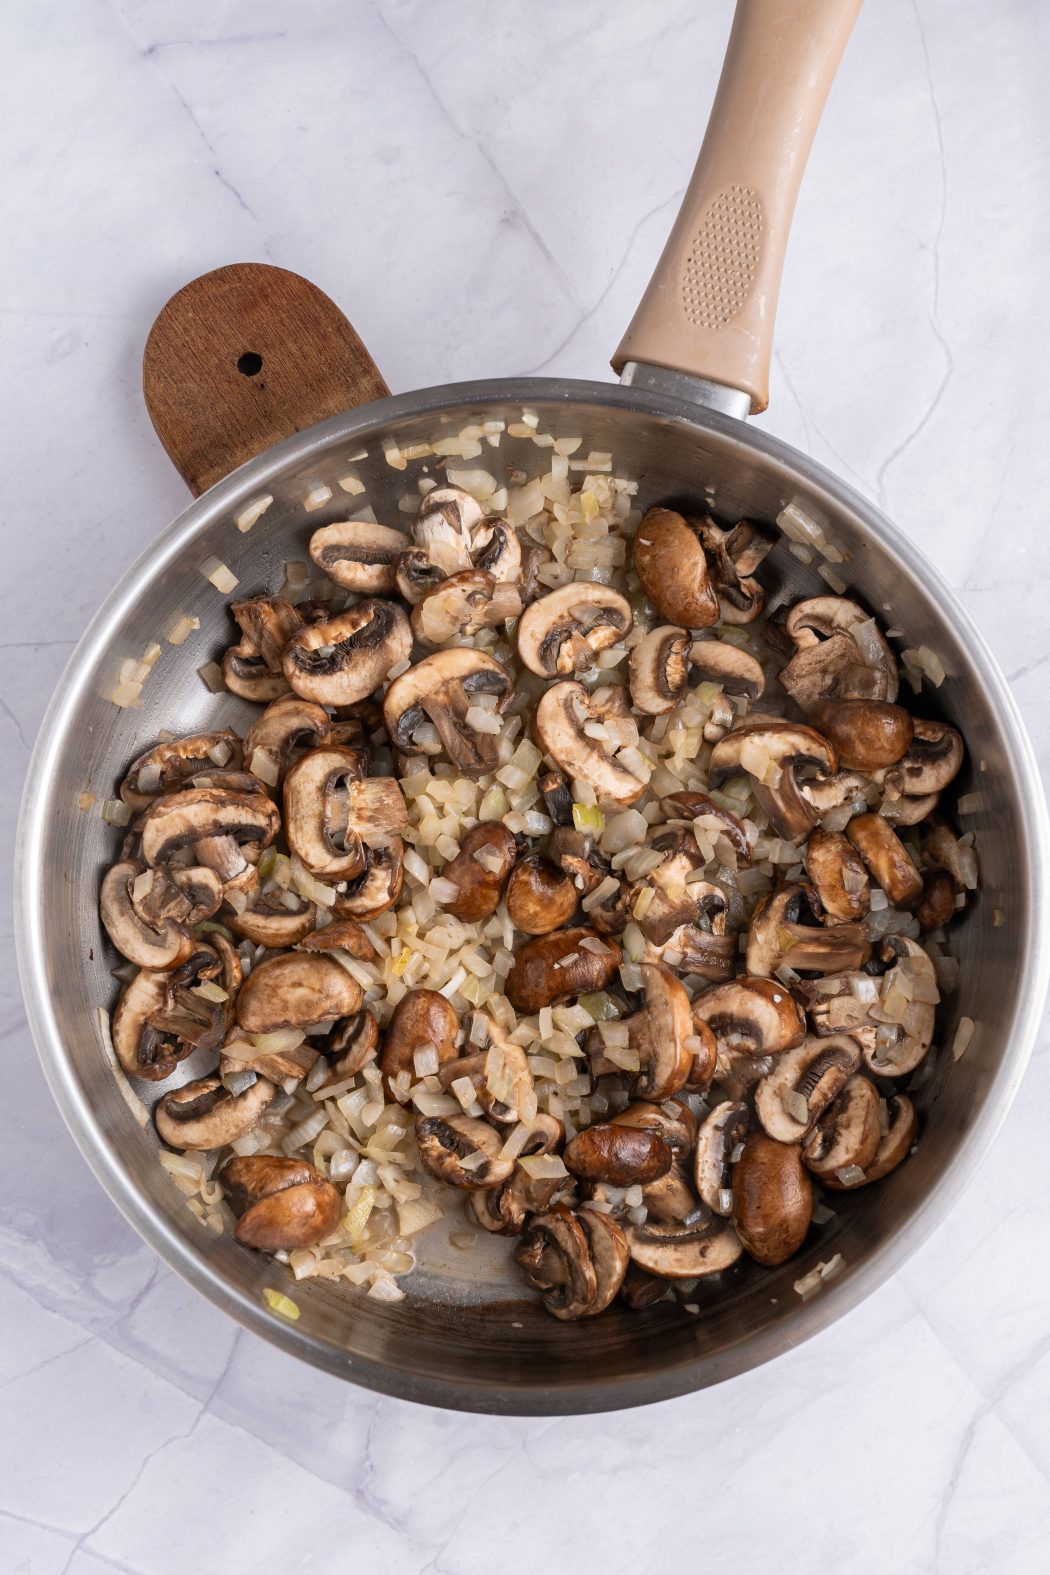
x: 526, y: 1399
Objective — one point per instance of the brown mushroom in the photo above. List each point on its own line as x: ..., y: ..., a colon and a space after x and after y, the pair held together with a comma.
x: 670, y: 1198
x: 540, y: 897
x: 866, y: 735
x: 562, y: 632
x: 759, y: 1016
x: 161, y: 944
x: 333, y: 813
x: 662, y: 1035
x: 348, y: 1047
x: 442, y: 689
x: 554, y: 968
x: 776, y: 936
x: 359, y: 555
x: 479, y: 871
x: 803, y: 1083
x: 205, y: 1115
x: 618, y: 1154
x: 672, y: 1120
x: 772, y: 1199
x: 774, y: 754
x: 684, y: 1252
x: 280, y: 1203
x: 838, y: 876
x: 670, y: 561
x: 697, y: 806
x: 224, y: 829
x: 463, y: 604
x: 252, y: 669
x: 577, y: 1260
x: 732, y: 558
x: 447, y: 516
x: 936, y: 905
x: 164, y: 768
x: 847, y: 1133
x: 348, y: 657
x: 378, y: 886
x: 503, y: 1209
x: 296, y: 990
x: 342, y: 935
x: 894, y: 1147
x: 560, y: 722
x: 285, y: 727
x: 887, y: 859
x: 267, y: 921
x: 421, y: 1018
x: 461, y: 1151
x: 830, y: 662
x: 933, y: 760
x: 905, y: 1032
x: 720, y: 1135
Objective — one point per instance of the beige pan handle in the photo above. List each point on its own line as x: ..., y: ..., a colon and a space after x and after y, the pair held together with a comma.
x: 709, y: 309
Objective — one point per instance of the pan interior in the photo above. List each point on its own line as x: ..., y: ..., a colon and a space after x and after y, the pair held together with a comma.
x: 466, y: 1335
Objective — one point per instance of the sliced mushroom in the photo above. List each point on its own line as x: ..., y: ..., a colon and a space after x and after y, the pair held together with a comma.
x: 824, y: 794
x: 462, y: 1151
x: 894, y: 1147
x: 280, y: 1203
x: 266, y: 921
x: 333, y: 813
x: 359, y: 555
x: 721, y: 662
x: 697, y: 806
x: 563, y: 632
x: 776, y: 936
x: 421, y: 1018
x: 347, y: 658
x: 670, y: 1198
x: 838, y: 875
x: 557, y: 800
x: 866, y: 735
x: 887, y: 859
x: 720, y: 1135
x: 559, y: 723
x: 503, y: 1209
x: 165, y: 767
x: 803, y: 1083
x: 684, y: 1252
x: 461, y: 605
x: 479, y: 871
x: 505, y: 1092
x: 216, y: 824
x: 847, y: 1133
x: 378, y: 886
x: 679, y: 898
x: 932, y: 761
x: 691, y: 949
x: 662, y: 1035
x: 575, y: 853
x: 285, y: 726
x: 348, y: 1047
x: 141, y: 1050
x: 659, y: 669
x: 446, y: 518
x: 495, y: 549
x: 415, y: 575
x: 160, y: 945
x: 640, y: 1290
x: 910, y: 1031
x: 829, y: 660
x: 296, y: 990
x: 732, y: 557
x: 442, y: 689
x: 160, y: 1018
x: 554, y: 968
x: 839, y: 1003
x: 772, y: 1199
x: 904, y: 811
x: 773, y: 754
x: 758, y: 1016
x: 204, y: 1115
x: 617, y: 1154
x: 540, y: 897
x: 577, y: 1260
x: 252, y: 668
x: 670, y: 561
x: 673, y: 1121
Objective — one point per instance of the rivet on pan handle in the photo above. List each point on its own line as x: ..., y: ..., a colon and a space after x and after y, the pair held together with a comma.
x: 709, y: 308
x: 243, y: 357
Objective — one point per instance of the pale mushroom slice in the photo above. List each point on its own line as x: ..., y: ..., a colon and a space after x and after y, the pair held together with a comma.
x: 670, y: 561
x: 866, y: 735
x: 678, y: 896
x: 758, y: 1016
x: 838, y: 875
x: 560, y: 724
x: 932, y: 761
x: 774, y: 754
x: 269, y: 921
x: 252, y: 668
x: 886, y: 858
x: 205, y: 1115
x: 733, y: 556
x: 720, y: 1136
x: 776, y: 936
x: 847, y: 1134
x: 563, y: 632
x: 906, y: 1011
x: 691, y: 949
x: 359, y: 555
x: 443, y: 689
x: 462, y: 1151
x: 164, y: 943
x: 495, y: 549
x: 554, y: 968
x: 577, y: 1260
x: 141, y: 1050
x: 772, y: 1199
x: 280, y: 1204
x: 684, y: 1252
x: 803, y: 1083
x: 461, y: 605
x: 443, y: 526
x: 224, y: 830
x: 296, y: 990
x: 669, y: 659
x: 347, y: 658
x: 286, y: 727
x: 670, y: 1198
x: 895, y: 1144
x: 840, y: 652
x: 164, y: 768
x: 333, y: 813
x: 662, y: 1035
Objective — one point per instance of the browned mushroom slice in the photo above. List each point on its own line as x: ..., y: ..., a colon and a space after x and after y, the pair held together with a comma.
x: 296, y: 990
x: 672, y: 1120
x: 718, y: 1139
x: 577, y: 1260
x: 733, y: 556
x: 840, y: 653
x: 378, y: 886
x: 904, y: 811
x: 803, y: 1083
x: 887, y: 859
x: 640, y: 1290
x: 838, y: 875
x: 697, y: 806
x: 824, y: 794
x: 342, y: 935
x: 163, y: 1016
x: 670, y: 1198
x: 554, y: 968
x: 461, y: 605
x: 280, y: 1203
x: 479, y: 871
x: 839, y: 1003
x: 443, y: 689
x: 216, y: 823
x: 932, y: 761
x: 866, y: 735
x: 777, y: 937
x: 540, y: 897
x: 422, y: 1020
x: 662, y: 1035
x: 906, y: 1010
x: 772, y: 1199
x: 684, y: 1252
x: 415, y: 575
x: 348, y: 1047
x: 204, y: 1115
x: 333, y: 813
x: 166, y: 766
x: 462, y: 1151
x: 267, y: 921
x: 575, y: 853
x: 618, y: 1154
x: 774, y: 754
x: 757, y: 1015
x: 160, y: 945
x: 691, y: 949
x: 560, y: 724
x: 563, y: 632
x: 503, y: 1209
x: 140, y: 1049
x: 347, y: 658
x: 721, y: 662
x: 894, y: 1147
x: 670, y: 561
x: 251, y: 669
x: 659, y: 669
x: 359, y: 555
x: 847, y: 1133
x: 936, y: 906
x: 678, y: 896
x: 285, y: 727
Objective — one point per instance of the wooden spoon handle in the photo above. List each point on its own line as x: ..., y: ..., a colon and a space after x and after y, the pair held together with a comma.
x: 243, y: 357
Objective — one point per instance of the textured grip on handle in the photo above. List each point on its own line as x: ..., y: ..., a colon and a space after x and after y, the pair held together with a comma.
x: 709, y: 308
x: 243, y: 357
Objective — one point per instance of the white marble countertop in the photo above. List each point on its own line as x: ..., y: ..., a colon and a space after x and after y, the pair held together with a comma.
x: 484, y: 188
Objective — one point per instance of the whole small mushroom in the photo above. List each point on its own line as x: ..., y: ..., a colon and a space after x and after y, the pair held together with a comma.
x: 540, y: 897
x: 479, y: 871
x: 618, y: 1154
x: 772, y: 1199
x: 554, y: 968
x: 670, y: 561
x: 280, y: 1203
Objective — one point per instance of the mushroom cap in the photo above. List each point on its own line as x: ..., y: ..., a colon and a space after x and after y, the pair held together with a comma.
x: 720, y: 1132
x: 440, y: 689
x: 462, y: 604
x: 167, y: 765
x: 558, y: 723
x: 540, y: 897
x: 887, y: 859
x: 817, y: 1071
x: 936, y: 906
x: 670, y: 1198
x: 758, y: 1013
x: 563, y: 631
x: 659, y: 1033
x: 894, y: 1146
x: 164, y: 944
x: 772, y: 1199
x: 281, y: 1203
x: 444, y: 1142
x: 933, y: 759
x: 204, y: 1115
x: 684, y: 1252
x: 198, y: 814
x: 421, y: 1017
x: 772, y: 753
x: 838, y: 874
x: 272, y: 926
x: 672, y: 1120
x: 311, y: 788
x: 480, y: 871
x: 359, y: 555
x: 347, y: 658
x: 621, y: 1155
x: 847, y: 1133
x: 296, y: 990
x: 554, y: 968
x: 669, y: 560
x: 866, y: 735
x: 286, y: 725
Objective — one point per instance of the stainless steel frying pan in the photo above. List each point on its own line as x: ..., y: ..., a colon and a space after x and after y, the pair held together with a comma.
x: 694, y: 363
